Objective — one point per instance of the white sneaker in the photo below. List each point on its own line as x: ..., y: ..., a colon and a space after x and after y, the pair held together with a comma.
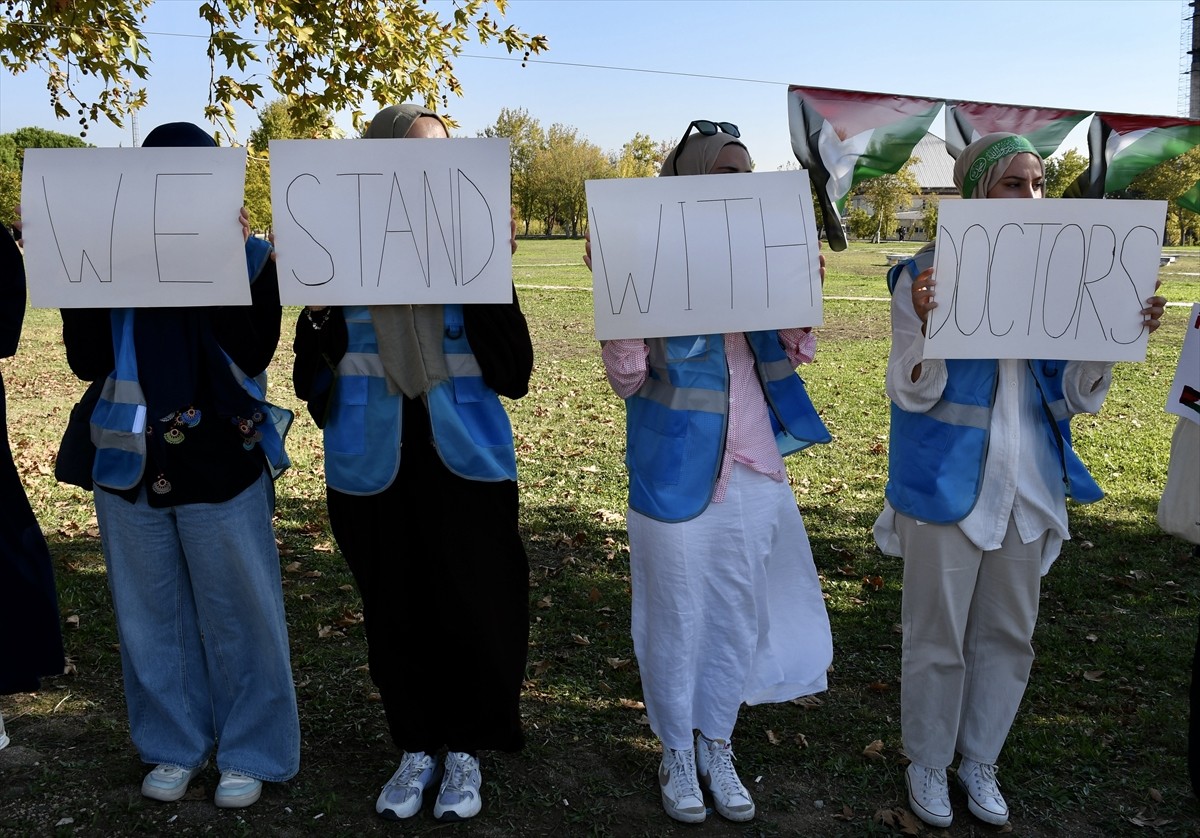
x: 402, y: 795
x: 168, y: 782
x: 459, y: 797
x: 928, y: 794
x: 714, y: 764
x: 3, y: 735
x: 680, y: 787
x: 984, y: 800
x: 237, y: 790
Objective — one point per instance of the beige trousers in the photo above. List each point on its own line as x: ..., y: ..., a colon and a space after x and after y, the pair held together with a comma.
x: 968, y: 618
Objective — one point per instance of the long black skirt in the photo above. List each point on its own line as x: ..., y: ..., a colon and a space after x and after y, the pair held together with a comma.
x: 30, y: 634
x: 444, y: 581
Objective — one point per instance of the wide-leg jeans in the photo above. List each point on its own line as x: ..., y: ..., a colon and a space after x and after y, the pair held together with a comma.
x: 204, y: 644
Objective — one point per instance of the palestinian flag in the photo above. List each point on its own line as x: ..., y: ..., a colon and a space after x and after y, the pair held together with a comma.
x: 1190, y: 200
x: 1046, y: 128
x: 1122, y: 146
x: 844, y: 137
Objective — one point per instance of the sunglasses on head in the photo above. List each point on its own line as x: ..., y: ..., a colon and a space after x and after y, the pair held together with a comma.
x: 707, y: 128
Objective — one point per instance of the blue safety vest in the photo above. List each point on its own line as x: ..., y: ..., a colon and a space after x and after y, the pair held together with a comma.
x: 471, y: 431
x: 936, y: 459
x: 677, y: 420
x: 118, y: 423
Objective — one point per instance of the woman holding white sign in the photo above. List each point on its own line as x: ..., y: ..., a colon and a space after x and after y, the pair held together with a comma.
x: 980, y: 468
x: 727, y: 607
x: 186, y: 448
x: 421, y: 478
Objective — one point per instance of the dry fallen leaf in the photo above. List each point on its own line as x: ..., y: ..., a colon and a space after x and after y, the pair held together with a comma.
x: 1093, y: 675
x: 801, y: 740
x: 632, y: 704
x: 874, y: 750
x: 772, y: 737
x: 1156, y: 795
x: 808, y: 702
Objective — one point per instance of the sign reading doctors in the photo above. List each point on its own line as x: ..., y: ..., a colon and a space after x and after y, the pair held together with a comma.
x: 703, y: 255
x: 125, y: 227
x: 1028, y: 278
x: 383, y: 221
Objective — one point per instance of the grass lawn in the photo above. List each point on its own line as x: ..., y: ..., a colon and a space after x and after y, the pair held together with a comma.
x: 1097, y: 750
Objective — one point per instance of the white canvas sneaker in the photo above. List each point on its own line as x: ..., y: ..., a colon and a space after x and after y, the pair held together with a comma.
x: 928, y: 794
x: 984, y: 800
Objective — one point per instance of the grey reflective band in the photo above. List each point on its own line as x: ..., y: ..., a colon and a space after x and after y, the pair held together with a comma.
x: 683, y: 398
x: 778, y: 370
x: 361, y: 363
x: 1059, y: 410
x: 121, y: 440
x: 126, y: 392
x: 463, y: 365
x: 964, y: 415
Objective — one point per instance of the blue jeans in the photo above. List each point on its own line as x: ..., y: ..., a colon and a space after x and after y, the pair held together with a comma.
x: 204, y: 645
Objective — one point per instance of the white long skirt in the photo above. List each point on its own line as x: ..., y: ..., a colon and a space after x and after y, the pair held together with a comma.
x: 727, y: 608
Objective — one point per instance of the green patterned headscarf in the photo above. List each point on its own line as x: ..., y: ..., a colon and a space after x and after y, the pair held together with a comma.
x: 984, y: 162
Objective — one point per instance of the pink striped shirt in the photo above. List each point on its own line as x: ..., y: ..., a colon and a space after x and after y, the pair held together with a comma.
x: 748, y: 439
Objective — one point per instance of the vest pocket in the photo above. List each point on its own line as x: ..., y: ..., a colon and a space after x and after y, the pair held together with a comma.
x: 346, y: 432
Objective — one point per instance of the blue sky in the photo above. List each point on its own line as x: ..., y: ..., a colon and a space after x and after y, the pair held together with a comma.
x: 1113, y: 55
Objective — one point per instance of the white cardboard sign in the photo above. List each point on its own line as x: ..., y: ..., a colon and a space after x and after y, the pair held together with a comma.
x: 1184, y: 398
x: 703, y: 255
x: 134, y: 227
x: 1030, y: 278
x: 382, y: 221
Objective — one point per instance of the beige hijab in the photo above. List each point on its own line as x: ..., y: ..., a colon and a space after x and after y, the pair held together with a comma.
x: 409, y: 337
x: 698, y: 155
x: 983, y: 163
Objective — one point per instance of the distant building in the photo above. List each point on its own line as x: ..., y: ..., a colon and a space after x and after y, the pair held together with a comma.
x: 934, y: 171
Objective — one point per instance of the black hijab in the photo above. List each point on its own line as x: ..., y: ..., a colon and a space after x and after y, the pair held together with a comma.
x: 180, y: 363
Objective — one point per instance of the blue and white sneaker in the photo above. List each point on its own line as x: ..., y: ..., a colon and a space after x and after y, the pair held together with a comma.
x: 459, y: 797
x: 403, y: 795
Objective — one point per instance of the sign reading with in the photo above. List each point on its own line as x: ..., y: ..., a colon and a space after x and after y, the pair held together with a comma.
x: 703, y: 255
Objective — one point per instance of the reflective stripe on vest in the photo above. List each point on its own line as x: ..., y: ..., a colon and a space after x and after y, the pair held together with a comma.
x: 471, y: 430
x: 676, y: 423
x: 118, y: 423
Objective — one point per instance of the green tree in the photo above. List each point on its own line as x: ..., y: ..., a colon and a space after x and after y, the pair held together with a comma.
x: 525, y: 139
x: 557, y: 177
x: 859, y: 223
x: 10, y: 195
x: 888, y: 195
x: 257, y: 198
x: 12, y: 160
x: 929, y: 216
x: 1166, y: 182
x: 638, y: 158
x: 328, y: 55
x: 1062, y: 170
